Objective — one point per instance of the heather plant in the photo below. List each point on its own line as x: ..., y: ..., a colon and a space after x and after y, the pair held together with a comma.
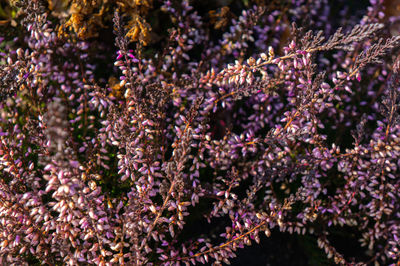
x: 247, y: 118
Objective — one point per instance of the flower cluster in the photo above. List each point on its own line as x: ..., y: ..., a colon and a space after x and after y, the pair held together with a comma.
x: 252, y: 120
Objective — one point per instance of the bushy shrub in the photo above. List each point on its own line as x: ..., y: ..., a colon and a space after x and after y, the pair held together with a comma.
x: 246, y: 116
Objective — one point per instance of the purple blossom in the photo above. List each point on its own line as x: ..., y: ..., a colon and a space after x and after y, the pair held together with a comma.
x: 238, y: 116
